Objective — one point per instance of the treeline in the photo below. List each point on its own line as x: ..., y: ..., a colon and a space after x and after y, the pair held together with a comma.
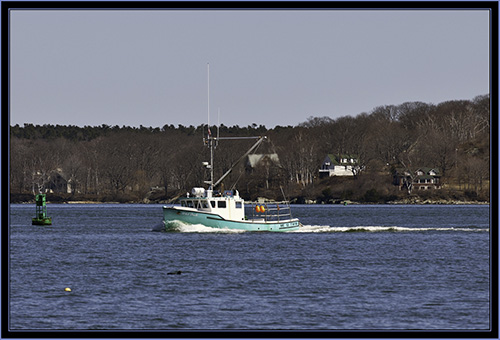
x: 77, y: 134
x: 112, y: 163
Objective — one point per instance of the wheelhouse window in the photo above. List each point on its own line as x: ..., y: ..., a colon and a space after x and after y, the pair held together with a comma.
x: 212, y: 203
x: 238, y: 205
x: 221, y: 204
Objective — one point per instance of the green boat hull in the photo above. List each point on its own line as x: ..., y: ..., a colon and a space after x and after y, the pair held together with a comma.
x: 172, y: 214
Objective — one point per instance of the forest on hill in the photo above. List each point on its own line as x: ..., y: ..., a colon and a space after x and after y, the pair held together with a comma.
x: 145, y: 164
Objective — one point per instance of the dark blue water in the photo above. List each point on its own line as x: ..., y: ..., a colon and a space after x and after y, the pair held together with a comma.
x: 349, y: 268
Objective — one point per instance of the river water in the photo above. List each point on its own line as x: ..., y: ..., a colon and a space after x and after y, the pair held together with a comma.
x: 358, y: 267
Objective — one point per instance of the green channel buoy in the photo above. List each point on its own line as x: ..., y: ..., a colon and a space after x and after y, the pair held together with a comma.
x: 41, y: 217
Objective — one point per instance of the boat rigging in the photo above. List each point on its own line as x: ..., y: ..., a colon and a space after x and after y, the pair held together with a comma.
x: 227, y: 209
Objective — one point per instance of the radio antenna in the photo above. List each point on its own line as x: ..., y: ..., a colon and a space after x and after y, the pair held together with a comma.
x: 210, y: 138
x: 218, y: 126
x: 208, y: 95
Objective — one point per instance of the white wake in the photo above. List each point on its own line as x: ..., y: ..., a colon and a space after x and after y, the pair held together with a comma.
x: 198, y: 228
x: 178, y: 226
x: 330, y: 229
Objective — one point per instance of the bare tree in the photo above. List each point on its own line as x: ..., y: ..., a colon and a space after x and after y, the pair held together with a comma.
x: 300, y: 157
x: 116, y: 163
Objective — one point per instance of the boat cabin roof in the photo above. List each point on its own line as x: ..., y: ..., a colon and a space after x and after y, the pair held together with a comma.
x: 206, y: 199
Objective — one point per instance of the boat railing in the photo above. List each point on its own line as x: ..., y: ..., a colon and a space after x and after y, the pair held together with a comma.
x: 268, y: 211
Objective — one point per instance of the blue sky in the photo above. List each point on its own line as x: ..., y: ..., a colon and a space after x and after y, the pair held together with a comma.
x: 270, y: 67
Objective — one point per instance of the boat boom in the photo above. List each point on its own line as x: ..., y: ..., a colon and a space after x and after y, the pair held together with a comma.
x: 260, y: 140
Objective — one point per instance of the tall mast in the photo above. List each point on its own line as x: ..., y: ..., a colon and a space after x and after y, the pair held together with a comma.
x: 210, y: 139
x: 208, y: 96
x: 218, y: 126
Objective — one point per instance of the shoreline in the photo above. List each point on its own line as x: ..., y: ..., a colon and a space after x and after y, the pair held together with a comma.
x: 345, y: 203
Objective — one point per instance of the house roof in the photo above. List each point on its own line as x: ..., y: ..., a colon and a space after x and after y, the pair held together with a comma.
x: 335, y: 159
x: 425, y: 170
x: 255, y: 159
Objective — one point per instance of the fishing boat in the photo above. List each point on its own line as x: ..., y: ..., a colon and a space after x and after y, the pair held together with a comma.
x: 225, y: 209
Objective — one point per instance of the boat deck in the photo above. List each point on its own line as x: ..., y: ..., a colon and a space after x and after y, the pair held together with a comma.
x: 265, y: 212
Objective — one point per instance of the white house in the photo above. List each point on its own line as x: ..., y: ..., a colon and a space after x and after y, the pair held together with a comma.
x: 341, y: 165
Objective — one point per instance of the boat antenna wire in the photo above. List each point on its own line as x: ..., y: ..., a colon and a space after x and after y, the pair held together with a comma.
x: 241, y: 172
x: 283, y: 193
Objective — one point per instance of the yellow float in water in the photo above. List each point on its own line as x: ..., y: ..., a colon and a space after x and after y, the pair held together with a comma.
x: 67, y: 289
